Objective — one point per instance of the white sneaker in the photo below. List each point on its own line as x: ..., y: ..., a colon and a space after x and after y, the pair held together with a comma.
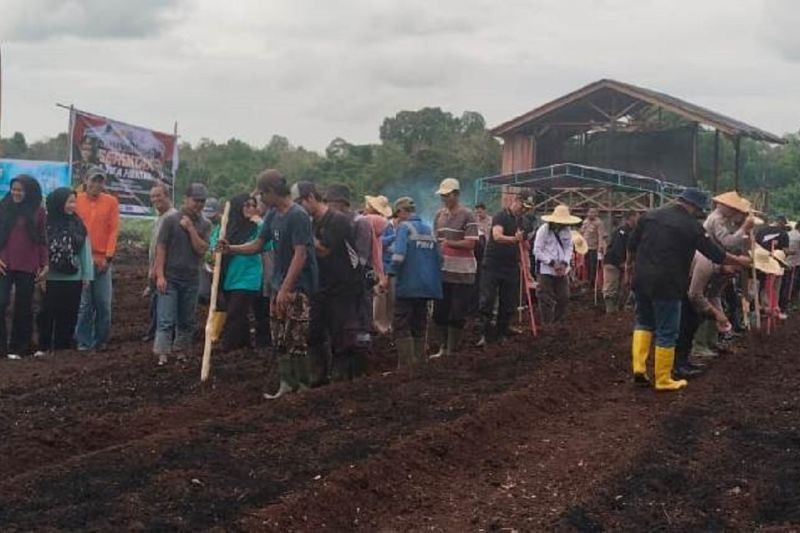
x: 39, y: 353
x: 162, y: 360
x: 14, y: 356
x: 783, y: 316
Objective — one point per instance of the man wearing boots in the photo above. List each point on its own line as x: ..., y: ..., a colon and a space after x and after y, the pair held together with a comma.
x: 333, y: 319
x: 614, y: 274
x: 294, y: 277
x: 416, y: 269
x: 457, y: 233
x: 500, y: 272
x: 662, y: 246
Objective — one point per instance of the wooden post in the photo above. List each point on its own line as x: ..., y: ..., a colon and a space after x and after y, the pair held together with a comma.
x: 716, y: 161
x: 695, y: 135
x: 736, y: 151
x: 205, y: 371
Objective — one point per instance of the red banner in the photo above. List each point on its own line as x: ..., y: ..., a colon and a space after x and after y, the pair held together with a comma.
x: 134, y: 159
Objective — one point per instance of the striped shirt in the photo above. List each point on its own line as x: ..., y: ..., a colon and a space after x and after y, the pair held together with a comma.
x: 459, y: 265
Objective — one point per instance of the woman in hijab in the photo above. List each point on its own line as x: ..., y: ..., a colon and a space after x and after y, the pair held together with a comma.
x: 241, y: 274
x: 70, y: 268
x: 23, y: 261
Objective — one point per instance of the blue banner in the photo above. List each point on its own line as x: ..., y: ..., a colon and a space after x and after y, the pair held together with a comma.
x: 50, y: 174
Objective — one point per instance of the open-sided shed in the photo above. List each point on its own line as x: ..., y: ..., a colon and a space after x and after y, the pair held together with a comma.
x: 617, y: 125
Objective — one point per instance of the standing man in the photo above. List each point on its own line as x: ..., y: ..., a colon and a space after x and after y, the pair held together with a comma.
x: 162, y: 203
x: 614, y: 273
x: 500, y: 272
x: 364, y: 241
x: 457, y: 232
x: 416, y: 268
x: 294, y: 277
x: 182, y: 243
x: 594, y: 232
x: 333, y: 317
x: 99, y: 212
x: 552, y: 248
x: 662, y: 246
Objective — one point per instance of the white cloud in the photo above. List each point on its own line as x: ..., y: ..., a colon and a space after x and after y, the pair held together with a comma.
x: 315, y: 70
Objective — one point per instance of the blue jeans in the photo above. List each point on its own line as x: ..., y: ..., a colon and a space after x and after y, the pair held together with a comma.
x: 94, y: 315
x: 662, y: 317
x: 176, y: 311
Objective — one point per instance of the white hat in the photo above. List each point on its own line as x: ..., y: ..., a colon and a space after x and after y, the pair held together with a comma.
x: 448, y: 185
x: 561, y: 215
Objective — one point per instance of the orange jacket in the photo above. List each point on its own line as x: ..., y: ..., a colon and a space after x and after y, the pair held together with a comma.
x: 101, y: 217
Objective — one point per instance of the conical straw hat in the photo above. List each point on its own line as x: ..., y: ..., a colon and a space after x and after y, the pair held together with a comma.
x: 764, y: 261
x: 579, y: 243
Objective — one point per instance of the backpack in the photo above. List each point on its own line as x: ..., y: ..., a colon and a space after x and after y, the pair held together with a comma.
x: 63, y: 256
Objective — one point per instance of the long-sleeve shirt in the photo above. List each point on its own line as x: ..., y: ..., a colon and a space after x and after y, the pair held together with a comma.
x: 725, y: 232
x: 100, y: 215
x: 20, y: 253
x: 550, y: 247
x: 595, y: 233
x: 706, y: 285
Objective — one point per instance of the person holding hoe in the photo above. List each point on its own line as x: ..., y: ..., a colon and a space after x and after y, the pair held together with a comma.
x: 553, y: 249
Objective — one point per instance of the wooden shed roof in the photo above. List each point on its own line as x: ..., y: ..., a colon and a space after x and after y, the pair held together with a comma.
x: 579, y: 109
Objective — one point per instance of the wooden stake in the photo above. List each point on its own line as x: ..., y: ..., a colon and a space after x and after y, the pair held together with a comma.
x: 754, y: 280
x: 205, y: 371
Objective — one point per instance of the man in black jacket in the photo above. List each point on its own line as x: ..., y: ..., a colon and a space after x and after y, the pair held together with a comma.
x: 614, y: 270
x: 662, y: 248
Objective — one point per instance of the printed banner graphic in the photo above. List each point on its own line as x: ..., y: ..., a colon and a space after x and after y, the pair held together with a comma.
x: 133, y: 158
x: 50, y: 174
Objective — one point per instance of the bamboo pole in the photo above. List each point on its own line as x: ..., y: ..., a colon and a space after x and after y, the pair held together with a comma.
x: 754, y: 281
x: 205, y: 370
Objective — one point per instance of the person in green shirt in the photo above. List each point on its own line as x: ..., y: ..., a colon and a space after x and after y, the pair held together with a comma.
x: 70, y: 268
x: 242, y: 275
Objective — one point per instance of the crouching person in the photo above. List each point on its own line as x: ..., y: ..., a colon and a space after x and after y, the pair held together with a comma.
x: 416, y: 268
x: 182, y: 242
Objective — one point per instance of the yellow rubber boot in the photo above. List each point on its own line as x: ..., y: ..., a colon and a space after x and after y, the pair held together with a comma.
x: 665, y: 357
x: 217, y: 323
x: 640, y: 350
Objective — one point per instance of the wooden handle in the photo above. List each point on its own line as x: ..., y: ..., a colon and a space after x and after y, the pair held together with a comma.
x: 205, y: 370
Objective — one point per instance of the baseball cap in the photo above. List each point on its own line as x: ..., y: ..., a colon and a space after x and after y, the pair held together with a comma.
x: 197, y: 191
x: 96, y: 172
x: 448, y: 185
x: 405, y: 203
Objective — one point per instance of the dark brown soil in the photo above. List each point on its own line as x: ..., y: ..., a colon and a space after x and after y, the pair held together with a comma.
x: 531, y: 435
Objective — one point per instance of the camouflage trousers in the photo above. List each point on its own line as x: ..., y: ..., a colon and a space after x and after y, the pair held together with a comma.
x: 290, y: 339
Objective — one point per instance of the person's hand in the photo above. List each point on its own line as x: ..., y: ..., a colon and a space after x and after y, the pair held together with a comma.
x: 186, y: 222
x: 41, y: 275
x: 519, y: 236
x: 146, y: 292
x: 560, y: 269
x: 743, y: 260
x: 161, y: 284
x: 223, y: 247
x: 748, y: 223
x: 282, y: 302
x: 3, y: 267
x: 100, y: 265
x: 724, y: 325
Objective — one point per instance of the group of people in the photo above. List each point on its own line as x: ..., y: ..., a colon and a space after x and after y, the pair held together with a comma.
x: 315, y: 275
x: 67, y: 252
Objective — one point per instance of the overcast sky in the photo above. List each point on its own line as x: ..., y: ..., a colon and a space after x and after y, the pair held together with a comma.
x: 315, y: 70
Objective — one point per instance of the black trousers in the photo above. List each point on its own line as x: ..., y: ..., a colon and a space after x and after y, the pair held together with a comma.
x: 59, y: 315
x: 236, y: 333
x: 22, y: 321
x: 591, y: 266
x: 452, y: 310
x: 505, y: 286
x: 410, y: 317
x: 261, y: 316
x: 334, y: 323
x: 690, y: 321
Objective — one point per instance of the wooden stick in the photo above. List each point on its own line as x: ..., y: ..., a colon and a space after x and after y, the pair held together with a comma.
x: 754, y: 280
x: 205, y: 371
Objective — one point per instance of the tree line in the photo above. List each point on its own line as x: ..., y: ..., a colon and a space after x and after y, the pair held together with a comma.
x: 416, y: 150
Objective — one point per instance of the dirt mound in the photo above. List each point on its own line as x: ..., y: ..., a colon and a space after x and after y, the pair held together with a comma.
x: 530, y: 435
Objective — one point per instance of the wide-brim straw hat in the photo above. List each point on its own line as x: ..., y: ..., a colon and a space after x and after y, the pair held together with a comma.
x: 780, y: 257
x: 379, y: 204
x: 579, y: 243
x: 764, y: 262
x: 734, y: 201
x: 561, y: 215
